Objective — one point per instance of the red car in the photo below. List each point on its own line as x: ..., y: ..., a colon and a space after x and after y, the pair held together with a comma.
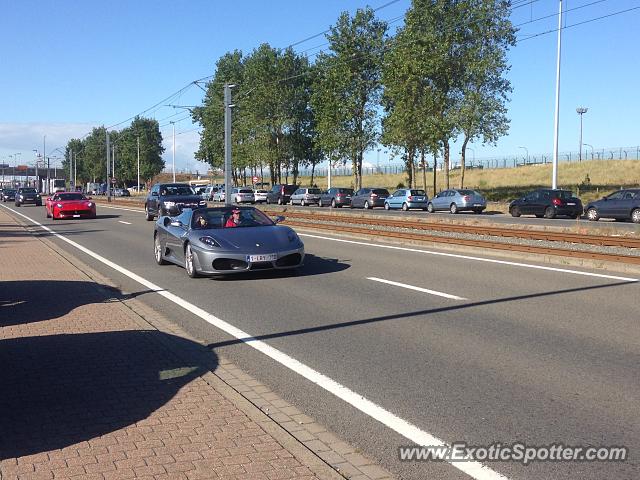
x: 70, y: 205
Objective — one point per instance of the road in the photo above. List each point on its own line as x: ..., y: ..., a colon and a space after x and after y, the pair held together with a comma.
x: 488, y: 351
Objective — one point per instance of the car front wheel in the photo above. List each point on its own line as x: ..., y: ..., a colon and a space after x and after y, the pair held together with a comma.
x: 550, y: 213
x: 453, y: 208
x: 405, y: 207
x: 189, y: 264
x: 147, y: 215
x: 366, y: 205
x: 430, y: 208
x: 157, y: 250
x: 386, y: 206
x: 515, y: 212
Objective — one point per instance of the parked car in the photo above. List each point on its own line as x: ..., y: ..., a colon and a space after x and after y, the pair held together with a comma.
x: 8, y: 194
x: 621, y: 205
x: 243, y: 195
x: 280, y: 193
x: 369, y: 198
x: 547, y: 203
x: 407, y: 199
x: 208, y: 192
x: 336, y: 197
x: 26, y: 195
x: 169, y: 199
x: 201, y: 241
x: 260, y: 195
x: 121, y: 192
x: 218, y: 196
x: 305, y: 196
x: 457, y: 200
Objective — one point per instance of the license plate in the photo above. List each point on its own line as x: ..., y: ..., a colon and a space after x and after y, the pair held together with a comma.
x: 477, y: 205
x: 262, y: 258
x: 572, y: 204
x: 76, y: 216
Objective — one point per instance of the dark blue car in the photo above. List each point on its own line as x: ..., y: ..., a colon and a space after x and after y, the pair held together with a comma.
x: 621, y: 205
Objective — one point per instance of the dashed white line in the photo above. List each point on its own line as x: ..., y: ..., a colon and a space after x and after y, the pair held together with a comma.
x: 417, y: 289
x: 475, y: 470
x: 126, y: 223
x: 469, y: 257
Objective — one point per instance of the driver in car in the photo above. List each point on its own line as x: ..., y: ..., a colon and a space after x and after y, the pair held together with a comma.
x: 201, y: 221
x: 234, y: 219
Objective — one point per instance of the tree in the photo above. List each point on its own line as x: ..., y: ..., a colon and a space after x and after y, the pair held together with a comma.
x: 482, y: 109
x: 347, y: 90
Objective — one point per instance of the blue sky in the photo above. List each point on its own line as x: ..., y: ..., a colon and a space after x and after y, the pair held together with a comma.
x: 67, y: 66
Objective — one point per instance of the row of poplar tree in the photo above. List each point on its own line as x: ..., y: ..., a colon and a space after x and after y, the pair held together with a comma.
x: 439, y: 79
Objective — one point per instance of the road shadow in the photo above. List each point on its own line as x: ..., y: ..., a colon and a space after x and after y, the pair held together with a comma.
x: 313, y: 265
x: 27, y: 301
x: 59, y: 390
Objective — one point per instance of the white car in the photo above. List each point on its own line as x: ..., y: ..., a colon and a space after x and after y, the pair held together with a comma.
x: 260, y: 195
x: 243, y: 195
x: 218, y: 196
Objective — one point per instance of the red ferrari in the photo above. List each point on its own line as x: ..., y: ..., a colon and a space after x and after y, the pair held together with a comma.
x: 70, y: 205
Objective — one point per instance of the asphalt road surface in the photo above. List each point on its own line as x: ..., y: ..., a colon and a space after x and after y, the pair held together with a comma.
x: 464, y: 349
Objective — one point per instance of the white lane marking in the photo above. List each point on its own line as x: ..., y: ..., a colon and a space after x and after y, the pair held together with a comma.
x: 478, y: 259
x: 474, y: 469
x: 121, y: 208
x: 417, y: 289
x: 126, y: 223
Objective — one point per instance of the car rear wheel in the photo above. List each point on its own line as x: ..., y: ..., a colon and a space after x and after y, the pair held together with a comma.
x: 593, y: 215
x: 333, y: 203
x: 430, y: 208
x: 550, y: 213
x: 303, y: 203
x: 515, y: 212
x: 189, y: 263
x: 157, y: 250
x: 635, y: 216
x: 453, y: 208
x: 147, y: 215
x: 280, y: 201
x: 366, y: 205
x: 405, y: 207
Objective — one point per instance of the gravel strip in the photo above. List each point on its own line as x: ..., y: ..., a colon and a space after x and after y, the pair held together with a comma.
x: 634, y: 252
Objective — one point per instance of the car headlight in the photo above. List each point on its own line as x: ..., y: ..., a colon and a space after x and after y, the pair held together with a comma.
x: 169, y: 204
x: 292, y: 236
x: 89, y: 204
x: 59, y: 205
x: 210, y: 241
x: 202, y: 202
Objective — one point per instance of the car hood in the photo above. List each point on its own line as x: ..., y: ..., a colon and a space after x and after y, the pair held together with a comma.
x: 181, y: 198
x: 267, y: 239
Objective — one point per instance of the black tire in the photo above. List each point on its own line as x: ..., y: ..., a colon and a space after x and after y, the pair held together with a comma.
x: 405, y: 207
x: 267, y: 201
x: 320, y: 203
x: 333, y: 203
x: 366, y: 205
x: 279, y: 201
x: 515, y: 212
x: 303, y: 203
x: 386, y: 206
x: 593, y: 215
x: 157, y: 251
x: 635, y: 215
x: 453, y: 208
x: 477, y: 211
x: 147, y: 215
x: 17, y: 204
x: 188, y: 262
x: 430, y: 208
x: 550, y: 212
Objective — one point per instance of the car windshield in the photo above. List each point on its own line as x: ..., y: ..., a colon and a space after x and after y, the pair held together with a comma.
x: 10, y: 191
x: 417, y: 192
x: 176, y: 190
x: 70, y: 196
x: 380, y: 191
x: 28, y: 190
x: 217, y: 218
x: 315, y: 191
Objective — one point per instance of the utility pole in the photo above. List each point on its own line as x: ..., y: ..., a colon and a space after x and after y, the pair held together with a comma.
x: 72, y: 186
x: 108, y: 172
x: 138, y: 144
x: 174, y: 152
x: 554, y: 175
x: 227, y: 143
x: 75, y: 170
x: 581, y: 111
x: 329, y: 174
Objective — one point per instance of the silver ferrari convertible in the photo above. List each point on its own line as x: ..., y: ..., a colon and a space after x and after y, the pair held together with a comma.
x: 226, y: 240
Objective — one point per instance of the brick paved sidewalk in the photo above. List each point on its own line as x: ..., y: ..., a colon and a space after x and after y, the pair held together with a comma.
x: 91, y: 389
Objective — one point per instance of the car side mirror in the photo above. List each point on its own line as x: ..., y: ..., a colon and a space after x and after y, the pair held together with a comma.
x: 279, y: 219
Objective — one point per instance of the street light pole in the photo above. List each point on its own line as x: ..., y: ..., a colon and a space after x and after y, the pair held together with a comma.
x: 554, y: 174
x: 138, y: 145
x: 174, y: 151
x: 581, y: 111
x: 227, y: 143
x: 587, y: 145
x: 527, y: 151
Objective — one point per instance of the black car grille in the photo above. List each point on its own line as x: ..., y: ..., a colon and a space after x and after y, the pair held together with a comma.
x: 75, y: 212
x: 261, y: 265
x: 229, y: 264
x: 289, y: 260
